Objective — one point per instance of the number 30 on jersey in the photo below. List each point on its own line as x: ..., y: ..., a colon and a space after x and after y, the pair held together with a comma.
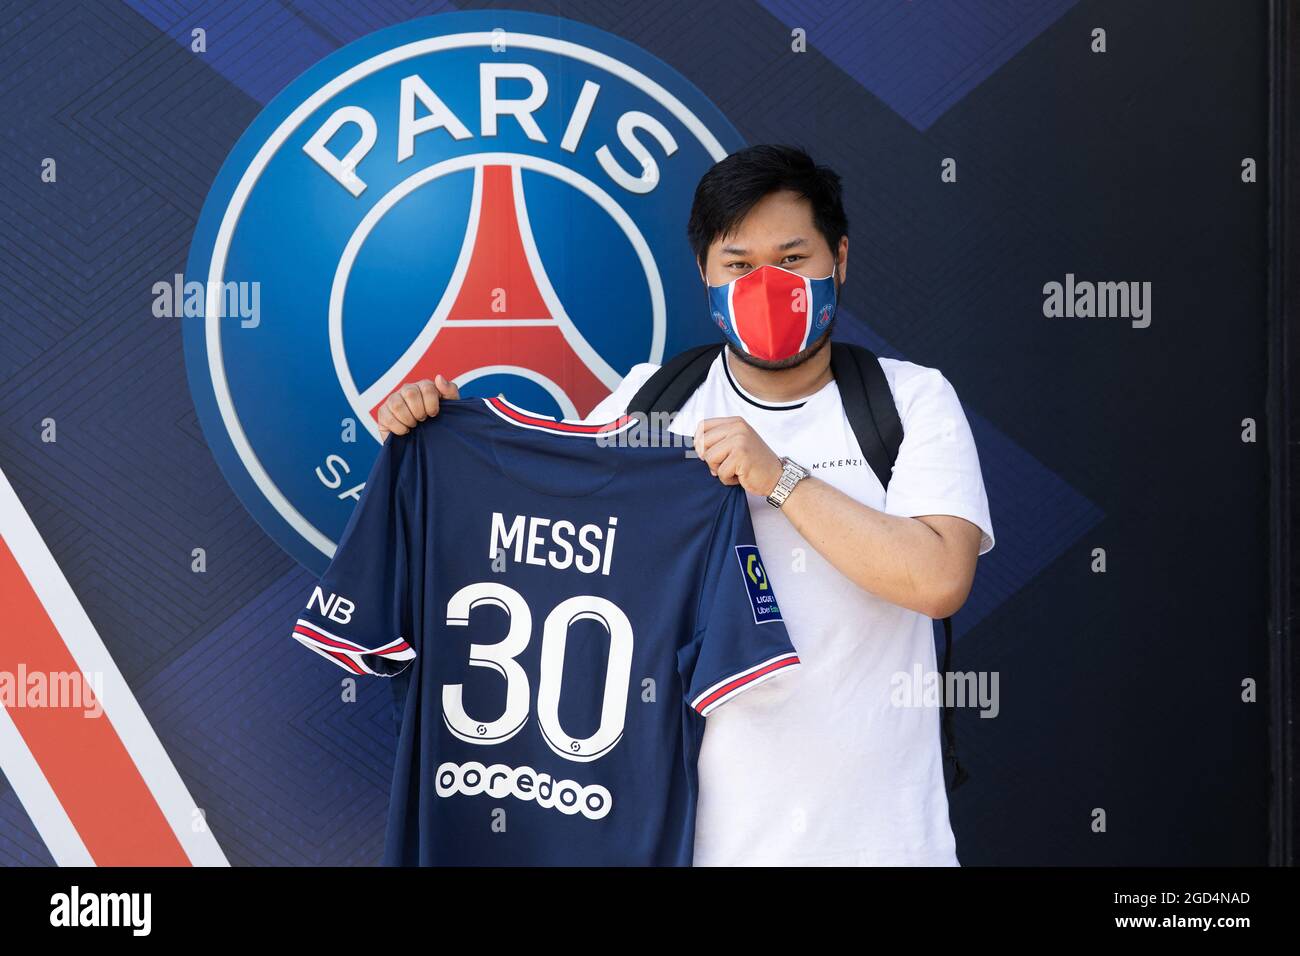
x: 501, y: 657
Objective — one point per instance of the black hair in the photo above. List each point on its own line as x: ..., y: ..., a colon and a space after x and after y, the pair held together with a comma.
x: 735, y: 184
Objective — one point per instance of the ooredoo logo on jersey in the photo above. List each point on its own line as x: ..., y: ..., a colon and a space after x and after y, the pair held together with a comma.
x: 500, y: 197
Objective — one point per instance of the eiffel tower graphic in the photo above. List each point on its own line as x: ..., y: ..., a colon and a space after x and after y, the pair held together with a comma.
x: 500, y: 313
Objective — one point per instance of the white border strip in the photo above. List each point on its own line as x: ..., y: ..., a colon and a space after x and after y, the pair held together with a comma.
x: 92, y: 657
x: 39, y: 799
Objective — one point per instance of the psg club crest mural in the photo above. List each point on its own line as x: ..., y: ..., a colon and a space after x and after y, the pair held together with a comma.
x: 498, y: 197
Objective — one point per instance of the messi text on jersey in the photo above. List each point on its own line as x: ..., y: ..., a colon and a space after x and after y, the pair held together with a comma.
x: 528, y: 537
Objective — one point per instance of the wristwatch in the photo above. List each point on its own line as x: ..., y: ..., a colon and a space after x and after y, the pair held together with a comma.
x: 791, y: 474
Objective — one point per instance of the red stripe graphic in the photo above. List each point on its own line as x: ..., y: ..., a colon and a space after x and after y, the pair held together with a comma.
x: 83, y: 758
x: 742, y: 681
x: 347, y: 662
x: 322, y: 638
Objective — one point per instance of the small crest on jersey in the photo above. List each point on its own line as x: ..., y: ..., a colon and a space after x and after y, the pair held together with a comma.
x: 762, y: 600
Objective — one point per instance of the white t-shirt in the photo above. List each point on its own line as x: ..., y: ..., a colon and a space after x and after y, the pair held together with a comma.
x: 824, y: 769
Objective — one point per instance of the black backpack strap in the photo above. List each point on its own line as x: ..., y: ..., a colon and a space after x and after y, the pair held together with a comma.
x: 869, y: 406
x: 949, y: 723
x: 673, y: 382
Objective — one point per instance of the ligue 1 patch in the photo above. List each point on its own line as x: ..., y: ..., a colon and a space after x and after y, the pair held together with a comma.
x: 762, y: 600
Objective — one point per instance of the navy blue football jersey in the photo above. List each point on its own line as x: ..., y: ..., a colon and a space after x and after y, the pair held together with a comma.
x: 560, y: 612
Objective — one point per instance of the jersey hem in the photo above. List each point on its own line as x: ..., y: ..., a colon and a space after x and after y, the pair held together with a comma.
x: 719, y: 692
x: 349, y: 656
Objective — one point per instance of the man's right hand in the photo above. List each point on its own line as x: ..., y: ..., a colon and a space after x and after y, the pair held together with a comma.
x: 413, y: 403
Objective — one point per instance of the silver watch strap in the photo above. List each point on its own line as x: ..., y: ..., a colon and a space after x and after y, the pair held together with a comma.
x: 791, y: 474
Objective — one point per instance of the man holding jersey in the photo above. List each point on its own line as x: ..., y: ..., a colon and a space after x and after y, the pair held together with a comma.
x: 833, y: 768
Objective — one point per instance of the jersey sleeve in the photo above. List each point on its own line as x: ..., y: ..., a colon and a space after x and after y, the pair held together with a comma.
x: 740, y: 639
x: 359, y: 615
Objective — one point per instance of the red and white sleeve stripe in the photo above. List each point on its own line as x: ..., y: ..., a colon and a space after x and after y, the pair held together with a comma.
x: 727, y: 688
x: 349, y: 655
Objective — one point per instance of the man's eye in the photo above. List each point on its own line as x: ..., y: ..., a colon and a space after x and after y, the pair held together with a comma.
x: 793, y: 257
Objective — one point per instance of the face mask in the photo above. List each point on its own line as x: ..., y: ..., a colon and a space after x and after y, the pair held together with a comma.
x: 773, y: 313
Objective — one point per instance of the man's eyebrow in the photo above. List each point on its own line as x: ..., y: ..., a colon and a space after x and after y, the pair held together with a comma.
x: 740, y: 251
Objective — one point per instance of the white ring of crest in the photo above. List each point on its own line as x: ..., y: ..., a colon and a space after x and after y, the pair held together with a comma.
x: 220, y: 249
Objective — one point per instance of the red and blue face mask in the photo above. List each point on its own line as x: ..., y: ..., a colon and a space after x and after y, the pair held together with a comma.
x: 773, y: 313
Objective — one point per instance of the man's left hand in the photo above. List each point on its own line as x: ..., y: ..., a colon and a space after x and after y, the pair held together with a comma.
x: 736, y: 455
